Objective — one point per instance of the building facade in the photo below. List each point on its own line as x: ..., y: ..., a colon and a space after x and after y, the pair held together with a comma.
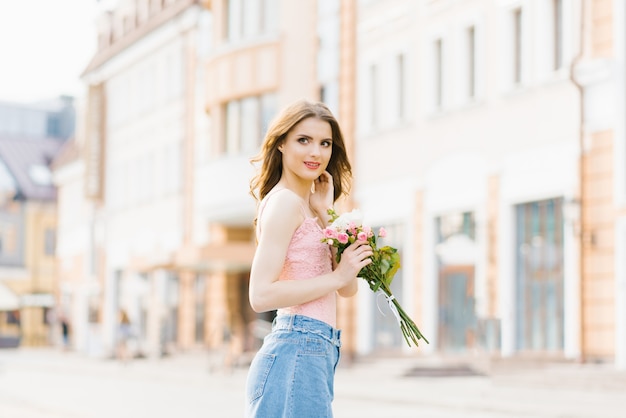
x: 479, y: 138
x: 131, y: 169
x: 27, y: 240
x: 504, y: 207
x: 600, y: 76
x: 180, y: 94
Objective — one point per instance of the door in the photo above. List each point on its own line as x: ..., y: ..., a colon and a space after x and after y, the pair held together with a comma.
x: 539, y: 281
x: 457, y: 316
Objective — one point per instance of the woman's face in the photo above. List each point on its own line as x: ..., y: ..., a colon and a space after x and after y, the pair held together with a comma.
x: 307, y: 149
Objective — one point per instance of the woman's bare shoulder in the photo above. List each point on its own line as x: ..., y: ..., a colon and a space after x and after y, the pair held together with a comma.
x: 282, y: 210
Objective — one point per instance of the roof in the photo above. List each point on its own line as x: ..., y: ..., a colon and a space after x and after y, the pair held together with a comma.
x: 28, y: 160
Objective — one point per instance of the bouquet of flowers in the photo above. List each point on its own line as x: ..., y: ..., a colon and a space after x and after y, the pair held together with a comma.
x: 346, y: 229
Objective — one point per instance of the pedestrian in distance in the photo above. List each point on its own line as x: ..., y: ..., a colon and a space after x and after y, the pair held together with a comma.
x: 303, y: 170
x: 124, y: 334
x: 65, y: 332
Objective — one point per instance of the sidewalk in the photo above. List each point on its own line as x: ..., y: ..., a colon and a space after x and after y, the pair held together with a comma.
x: 49, y: 383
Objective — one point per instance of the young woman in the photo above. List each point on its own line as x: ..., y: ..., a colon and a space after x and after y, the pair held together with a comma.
x: 304, y: 169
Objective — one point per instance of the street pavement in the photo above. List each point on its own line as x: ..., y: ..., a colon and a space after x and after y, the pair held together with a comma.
x: 50, y: 383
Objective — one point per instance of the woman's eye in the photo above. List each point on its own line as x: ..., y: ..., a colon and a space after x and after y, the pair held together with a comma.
x: 327, y: 143
x: 303, y: 140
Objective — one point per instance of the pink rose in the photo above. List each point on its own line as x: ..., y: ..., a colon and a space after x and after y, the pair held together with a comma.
x: 342, y: 237
x: 330, y: 241
x: 361, y: 236
x: 330, y: 233
x: 382, y: 232
x: 352, y: 228
x: 368, y: 231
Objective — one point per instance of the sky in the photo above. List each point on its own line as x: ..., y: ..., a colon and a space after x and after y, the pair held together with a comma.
x: 44, y: 47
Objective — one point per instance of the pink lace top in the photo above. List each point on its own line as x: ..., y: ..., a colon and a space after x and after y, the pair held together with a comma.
x: 307, y: 258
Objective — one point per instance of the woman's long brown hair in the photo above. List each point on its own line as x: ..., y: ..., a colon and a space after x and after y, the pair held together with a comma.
x: 271, y: 158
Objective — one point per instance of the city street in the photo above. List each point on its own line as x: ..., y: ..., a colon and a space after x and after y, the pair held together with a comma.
x: 54, y: 384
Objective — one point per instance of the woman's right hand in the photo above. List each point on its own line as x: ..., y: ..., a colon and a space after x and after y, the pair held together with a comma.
x: 353, y: 259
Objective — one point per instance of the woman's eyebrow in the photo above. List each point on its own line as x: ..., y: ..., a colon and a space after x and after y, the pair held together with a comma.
x: 310, y: 137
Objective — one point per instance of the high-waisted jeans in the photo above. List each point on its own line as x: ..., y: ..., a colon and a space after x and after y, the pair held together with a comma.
x: 292, y: 375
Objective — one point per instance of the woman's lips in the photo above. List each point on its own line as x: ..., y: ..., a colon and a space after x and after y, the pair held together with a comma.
x: 312, y: 165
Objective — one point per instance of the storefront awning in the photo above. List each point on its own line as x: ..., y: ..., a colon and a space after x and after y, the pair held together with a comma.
x: 8, y: 300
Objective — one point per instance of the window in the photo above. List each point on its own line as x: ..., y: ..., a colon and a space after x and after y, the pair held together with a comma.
x: 438, y: 73
x: 251, y: 125
x: 246, y: 19
x: 400, y: 74
x: 200, y: 291
x: 245, y: 122
x: 557, y: 10
x: 233, y: 19
x: 517, y: 46
x: 471, y: 61
x: 373, y: 95
x: 53, y: 128
x: 173, y: 155
x: 232, y: 124
x: 49, y: 241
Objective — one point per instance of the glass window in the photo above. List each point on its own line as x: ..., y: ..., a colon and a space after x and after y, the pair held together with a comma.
x: 173, y: 165
x: 539, y: 276
x: 233, y: 19
x: 246, y: 19
x: 233, y: 124
x: 49, y: 241
x: 245, y: 123
x: 517, y: 46
x: 401, y: 88
x: 373, y: 95
x: 471, y: 61
x: 557, y: 11
x: 250, y: 124
x: 438, y: 73
x: 251, y: 18
x: 200, y: 291
x: 268, y: 110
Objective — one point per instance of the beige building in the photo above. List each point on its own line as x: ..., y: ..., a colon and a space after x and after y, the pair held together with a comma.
x: 261, y: 61
x: 480, y: 137
x: 510, y: 246
x: 126, y: 203
x: 601, y: 76
x: 27, y: 239
x: 155, y: 215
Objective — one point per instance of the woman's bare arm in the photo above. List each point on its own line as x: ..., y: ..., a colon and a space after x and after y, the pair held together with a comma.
x: 281, y: 217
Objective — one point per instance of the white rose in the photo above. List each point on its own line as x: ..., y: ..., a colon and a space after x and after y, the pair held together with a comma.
x: 342, y: 222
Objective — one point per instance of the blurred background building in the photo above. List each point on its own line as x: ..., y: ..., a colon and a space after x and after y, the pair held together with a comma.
x: 487, y: 136
x: 30, y: 137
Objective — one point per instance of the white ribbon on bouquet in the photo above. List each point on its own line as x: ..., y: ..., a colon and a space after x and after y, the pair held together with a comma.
x: 393, y: 308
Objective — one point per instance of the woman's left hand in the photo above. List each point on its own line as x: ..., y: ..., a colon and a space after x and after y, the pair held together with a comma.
x: 323, y: 196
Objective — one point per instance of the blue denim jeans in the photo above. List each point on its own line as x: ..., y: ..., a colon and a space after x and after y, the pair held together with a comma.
x: 292, y: 375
